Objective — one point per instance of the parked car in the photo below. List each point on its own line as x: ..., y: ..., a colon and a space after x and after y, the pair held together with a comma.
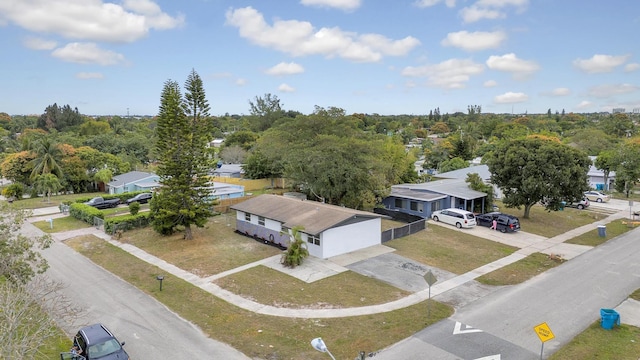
x: 142, y: 198
x: 596, y: 196
x: 582, y: 204
x: 457, y: 217
x: 504, y: 222
x: 102, y: 203
x: 97, y: 342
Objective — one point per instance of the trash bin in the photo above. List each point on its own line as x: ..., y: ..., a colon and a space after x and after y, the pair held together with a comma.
x: 562, y: 205
x: 602, y: 230
x: 609, y: 317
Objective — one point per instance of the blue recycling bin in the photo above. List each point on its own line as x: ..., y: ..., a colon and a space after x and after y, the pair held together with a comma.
x: 602, y: 230
x: 608, y: 318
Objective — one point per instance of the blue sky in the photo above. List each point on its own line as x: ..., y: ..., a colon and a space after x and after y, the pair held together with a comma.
x: 365, y: 56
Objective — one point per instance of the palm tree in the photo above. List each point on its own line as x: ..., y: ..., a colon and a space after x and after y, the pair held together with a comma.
x: 47, y: 184
x: 297, y: 250
x: 47, y: 156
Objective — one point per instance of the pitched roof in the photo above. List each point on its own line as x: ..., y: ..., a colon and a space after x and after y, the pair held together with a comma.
x: 452, y: 187
x: 130, y: 177
x: 313, y: 216
x: 482, y: 170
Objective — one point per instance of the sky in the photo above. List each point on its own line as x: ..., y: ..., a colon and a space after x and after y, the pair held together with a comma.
x: 390, y: 57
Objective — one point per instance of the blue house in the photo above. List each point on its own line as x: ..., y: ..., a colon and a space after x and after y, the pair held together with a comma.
x: 133, y: 181
x: 425, y: 198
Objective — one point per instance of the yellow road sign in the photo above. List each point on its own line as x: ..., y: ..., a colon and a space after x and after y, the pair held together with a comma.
x: 544, y: 332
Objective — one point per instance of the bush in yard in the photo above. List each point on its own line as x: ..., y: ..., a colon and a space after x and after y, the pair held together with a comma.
x: 126, y: 222
x: 85, y: 213
x: 134, y: 207
x: 14, y: 190
x: 296, y: 251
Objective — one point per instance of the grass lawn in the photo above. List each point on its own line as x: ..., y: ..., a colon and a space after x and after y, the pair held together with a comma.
x: 272, y: 287
x: 549, y: 224
x: 261, y: 336
x: 450, y: 250
x: 520, y: 271
x: 40, y: 202
x: 620, y: 343
x: 61, y: 224
x: 591, y: 238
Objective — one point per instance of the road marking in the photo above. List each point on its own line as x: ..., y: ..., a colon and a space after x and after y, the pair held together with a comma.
x: 491, y: 357
x: 466, y: 330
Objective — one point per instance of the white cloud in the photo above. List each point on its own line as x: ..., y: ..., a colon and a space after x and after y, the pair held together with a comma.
x: 488, y: 9
x: 39, y: 44
x: 429, y: 3
x: 600, y: 63
x: 346, y: 5
x: 474, y: 13
x: 286, y: 88
x: 490, y: 83
x: 584, y: 104
x: 241, y: 82
x: 510, y: 98
x: 299, y: 38
x: 474, y: 41
x: 560, y: 91
x: 87, y: 53
x: 449, y: 74
x: 510, y: 63
x: 609, y: 90
x: 631, y: 67
x: 285, y: 69
x: 89, y: 19
x: 89, y: 75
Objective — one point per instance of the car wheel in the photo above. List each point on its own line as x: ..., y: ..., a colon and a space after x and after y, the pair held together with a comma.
x: 435, y: 218
x: 599, y: 200
x: 503, y: 230
x: 580, y: 207
x: 459, y: 226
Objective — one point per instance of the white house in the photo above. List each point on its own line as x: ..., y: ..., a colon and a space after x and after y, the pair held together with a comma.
x: 596, y: 177
x: 329, y: 230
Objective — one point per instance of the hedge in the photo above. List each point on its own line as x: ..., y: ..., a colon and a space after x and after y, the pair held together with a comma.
x: 85, y: 212
x: 126, y: 222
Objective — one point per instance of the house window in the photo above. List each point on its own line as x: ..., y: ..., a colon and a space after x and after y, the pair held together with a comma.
x: 413, y: 205
x: 247, y: 217
x: 261, y: 220
x: 435, y: 206
x: 398, y: 203
x: 312, y: 239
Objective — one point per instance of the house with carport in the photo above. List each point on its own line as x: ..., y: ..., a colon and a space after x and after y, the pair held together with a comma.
x: 328, y: 230
x: 425, y: 198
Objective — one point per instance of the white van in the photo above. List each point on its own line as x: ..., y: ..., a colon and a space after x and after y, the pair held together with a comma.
x: 457, y: 217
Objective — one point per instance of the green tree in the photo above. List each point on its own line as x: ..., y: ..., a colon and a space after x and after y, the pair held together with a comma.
x: 48, y: 156
x: 21, y: 260
x: 47, y: 184
x: 607, y: 162
x: 528, y: 170
x: 266, y: 110
x: 628, y: 167
x: 452, y: 164
x: 297, y: 250
x: 183, y: 132
x: 245, y: 139
x: 476, y: 183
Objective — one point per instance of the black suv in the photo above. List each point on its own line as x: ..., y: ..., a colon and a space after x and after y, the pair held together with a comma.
x: 97, y: 342
x: 504, y: 222
x: 142, y: 198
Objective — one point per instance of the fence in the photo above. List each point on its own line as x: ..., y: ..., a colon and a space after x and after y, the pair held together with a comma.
x: 416, y: 223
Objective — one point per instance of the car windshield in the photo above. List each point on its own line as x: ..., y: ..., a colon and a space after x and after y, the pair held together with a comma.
x: 103, y: 349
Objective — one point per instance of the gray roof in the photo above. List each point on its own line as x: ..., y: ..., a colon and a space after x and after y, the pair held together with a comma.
x: 229, y: 169
x: 130, y: 177
x: 452, y: 187
x: 481, y: 170
x: 313, y: 216
x: 415, y: 195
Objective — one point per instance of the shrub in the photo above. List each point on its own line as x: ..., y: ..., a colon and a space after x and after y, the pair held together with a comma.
x: 126, y: 222
x: 85, y: 213
x: 134, y: 208
x: 15, y: 190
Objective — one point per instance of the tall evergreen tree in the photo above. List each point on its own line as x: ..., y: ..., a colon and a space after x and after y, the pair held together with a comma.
x: 183, y: 130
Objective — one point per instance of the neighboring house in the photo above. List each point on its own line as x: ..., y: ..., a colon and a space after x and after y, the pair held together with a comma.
x: 222, y: 191
x: 229, y: 170
x: 216, y: 143
x: 328, y: 230
x: 423, y: 199
x: 480, y: 169
x: 133, y: 181
x: 596, y: 177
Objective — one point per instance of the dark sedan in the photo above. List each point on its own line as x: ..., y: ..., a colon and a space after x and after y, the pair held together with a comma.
x: 140, y: 198
x: 504, y: 222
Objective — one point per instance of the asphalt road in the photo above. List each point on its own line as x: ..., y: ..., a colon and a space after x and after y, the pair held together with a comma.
x: 150, y: 330
x: 500, y: 326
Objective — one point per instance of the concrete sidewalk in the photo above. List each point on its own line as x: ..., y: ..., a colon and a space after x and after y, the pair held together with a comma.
x: 314, y: 269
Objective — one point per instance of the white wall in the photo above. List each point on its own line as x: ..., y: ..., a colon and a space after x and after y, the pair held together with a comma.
x: 344, y: 239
